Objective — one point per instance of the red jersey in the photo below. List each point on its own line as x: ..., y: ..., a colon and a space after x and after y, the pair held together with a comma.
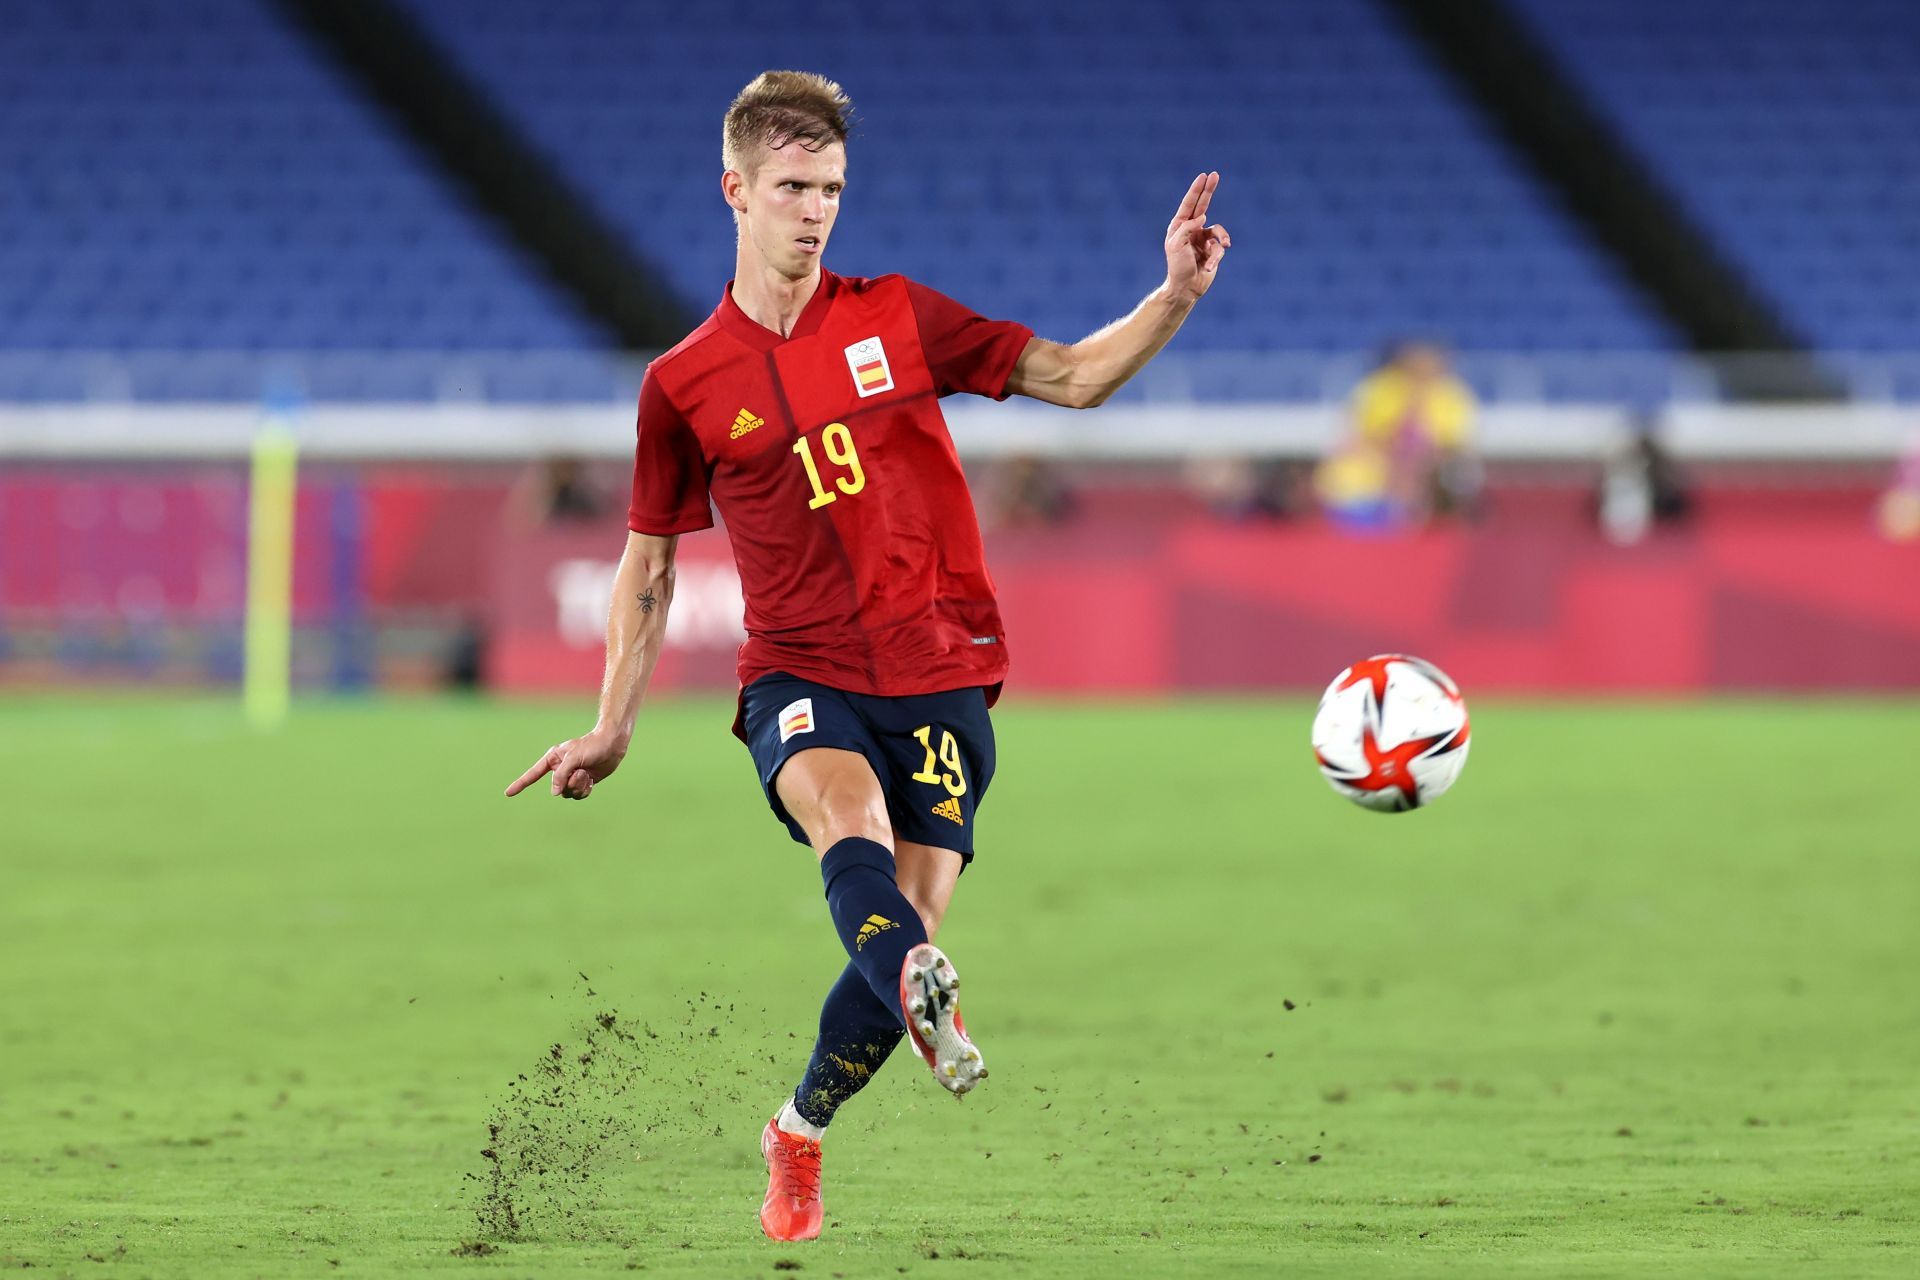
x: 828, y: 457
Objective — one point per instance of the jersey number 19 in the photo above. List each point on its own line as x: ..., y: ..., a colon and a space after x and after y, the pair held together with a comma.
x: 837, y: 441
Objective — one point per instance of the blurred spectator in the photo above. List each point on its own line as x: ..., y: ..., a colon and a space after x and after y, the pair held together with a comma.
x: 557, y: 491
x: 1239, y: 488
x: 1900, y: 505
x: 1640, y: 485
x: 1408, y: 452
x: 1025, y: 490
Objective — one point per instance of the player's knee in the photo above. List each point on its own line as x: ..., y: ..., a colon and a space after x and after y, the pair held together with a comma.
x: 841, y: 811
x: 930, y: 911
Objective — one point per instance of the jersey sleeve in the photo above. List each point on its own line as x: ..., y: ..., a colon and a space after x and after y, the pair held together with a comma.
x: 966, y: 351
x: 669, y: 471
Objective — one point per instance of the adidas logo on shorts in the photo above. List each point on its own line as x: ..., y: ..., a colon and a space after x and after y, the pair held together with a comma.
x: 950, y: 810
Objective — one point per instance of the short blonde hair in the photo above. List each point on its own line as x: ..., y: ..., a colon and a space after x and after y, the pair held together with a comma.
x: 780, y: 108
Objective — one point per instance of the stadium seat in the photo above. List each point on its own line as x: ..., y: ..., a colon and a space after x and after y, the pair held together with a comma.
x: 1789, y: 130
x: 1026, y: 158
x: 192, y: 174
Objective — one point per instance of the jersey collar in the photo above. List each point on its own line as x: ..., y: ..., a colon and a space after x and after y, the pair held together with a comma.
x: 761, y: 338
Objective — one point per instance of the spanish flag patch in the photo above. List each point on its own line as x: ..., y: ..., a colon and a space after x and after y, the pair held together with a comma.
x: 796, y: 717
x: 868, y: 361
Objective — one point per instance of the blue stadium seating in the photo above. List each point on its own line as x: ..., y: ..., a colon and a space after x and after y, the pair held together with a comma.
x: 189, y: 174
x: 1790, y: 129
x: 1025, y: 157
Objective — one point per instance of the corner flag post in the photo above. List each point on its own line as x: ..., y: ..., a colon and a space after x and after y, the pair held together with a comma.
x: 269, y: 620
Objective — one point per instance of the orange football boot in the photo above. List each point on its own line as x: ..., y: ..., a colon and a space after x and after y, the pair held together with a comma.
x: 791, y: 1210
x: 930, y: 1001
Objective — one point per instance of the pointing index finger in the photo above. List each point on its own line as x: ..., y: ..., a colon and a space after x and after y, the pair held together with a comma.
x: 539, y: 770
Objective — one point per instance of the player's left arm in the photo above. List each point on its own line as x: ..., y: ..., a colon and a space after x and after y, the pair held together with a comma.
x: 1084, y: 374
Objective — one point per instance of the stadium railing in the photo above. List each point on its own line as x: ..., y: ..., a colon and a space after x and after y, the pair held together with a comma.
x: 508, y: 405
x: 124, y: 499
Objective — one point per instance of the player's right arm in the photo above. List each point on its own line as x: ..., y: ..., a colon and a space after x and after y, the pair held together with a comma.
x: 669, y: 499
x: 636, y: 627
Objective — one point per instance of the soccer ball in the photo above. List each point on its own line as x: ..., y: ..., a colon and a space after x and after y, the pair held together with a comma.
x: 1391, y: 733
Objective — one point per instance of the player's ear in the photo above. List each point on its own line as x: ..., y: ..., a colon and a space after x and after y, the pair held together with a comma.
x: 733, y: 189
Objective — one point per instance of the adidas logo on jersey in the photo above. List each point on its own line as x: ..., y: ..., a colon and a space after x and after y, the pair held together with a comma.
x: 744, y: 422
x: 950, y: 810
x: 873, y: 928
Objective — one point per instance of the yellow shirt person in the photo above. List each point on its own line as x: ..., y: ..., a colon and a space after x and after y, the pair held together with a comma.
x: 1407, y: 420
x: 1392, y: 400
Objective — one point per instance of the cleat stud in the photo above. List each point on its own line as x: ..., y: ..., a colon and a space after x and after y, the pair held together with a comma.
x: 916, y: 975
x: 926, y: 1028
x: 952, y: 1070
x: 982, y: 1075
x: 916, y: 1006
x: 971, y: 1055
x: 940, y: 963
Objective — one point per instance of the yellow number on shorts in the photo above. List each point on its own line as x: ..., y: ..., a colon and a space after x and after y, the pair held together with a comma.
x: 955, y: 778
x: 837, y: 440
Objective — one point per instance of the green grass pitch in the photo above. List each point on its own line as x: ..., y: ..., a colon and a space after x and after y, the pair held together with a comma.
x: 1637, y: 999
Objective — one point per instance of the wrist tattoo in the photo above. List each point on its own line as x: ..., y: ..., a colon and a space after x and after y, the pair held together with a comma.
x: 647, y: 600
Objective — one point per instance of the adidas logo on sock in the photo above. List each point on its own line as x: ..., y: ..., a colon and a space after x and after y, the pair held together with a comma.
x: 872, y: 929
x: 950, y: 810
x: 744, y: 422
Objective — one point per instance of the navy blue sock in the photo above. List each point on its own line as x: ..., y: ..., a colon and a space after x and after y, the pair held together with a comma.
x: 857, y: 1033
x: 876, y: 923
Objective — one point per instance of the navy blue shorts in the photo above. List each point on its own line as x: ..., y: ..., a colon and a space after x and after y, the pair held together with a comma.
x: 933, y: 752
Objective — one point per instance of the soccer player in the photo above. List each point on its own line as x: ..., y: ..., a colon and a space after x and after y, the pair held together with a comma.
x: 806, y: 407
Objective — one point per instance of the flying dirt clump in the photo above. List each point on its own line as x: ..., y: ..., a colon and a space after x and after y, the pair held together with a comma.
x: 585, y: 1112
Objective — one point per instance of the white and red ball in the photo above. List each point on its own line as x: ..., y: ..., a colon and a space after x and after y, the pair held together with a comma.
x: 1391, y: 733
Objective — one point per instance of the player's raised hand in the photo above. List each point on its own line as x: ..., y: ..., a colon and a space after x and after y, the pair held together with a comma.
x: 1194, y: 249
x: 575, y: 764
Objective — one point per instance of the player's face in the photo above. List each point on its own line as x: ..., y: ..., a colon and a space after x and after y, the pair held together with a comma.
x: 789, y: 206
